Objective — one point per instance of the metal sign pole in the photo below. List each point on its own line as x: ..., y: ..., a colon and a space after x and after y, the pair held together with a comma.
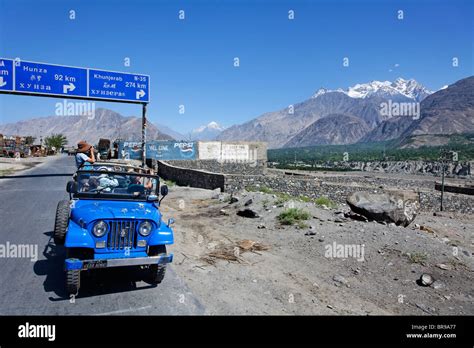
x: 144, y: 135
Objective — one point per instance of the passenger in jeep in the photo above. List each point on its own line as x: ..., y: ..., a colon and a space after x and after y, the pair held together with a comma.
x: 84, y: 155
x: 138, y: 180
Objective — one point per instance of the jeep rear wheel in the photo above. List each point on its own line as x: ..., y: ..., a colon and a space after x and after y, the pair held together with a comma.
x: 61, y: 222
x: 73, y: 281
x: 156, y: 273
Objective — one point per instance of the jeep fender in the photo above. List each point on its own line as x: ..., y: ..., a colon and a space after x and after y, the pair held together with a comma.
x: 78, y: 237
x: 164, y: 235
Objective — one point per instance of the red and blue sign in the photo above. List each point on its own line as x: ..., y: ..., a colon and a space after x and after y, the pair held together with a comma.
x: 160, y: 150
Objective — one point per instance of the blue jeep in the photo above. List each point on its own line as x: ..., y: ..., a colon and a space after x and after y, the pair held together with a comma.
x: 112, y: 220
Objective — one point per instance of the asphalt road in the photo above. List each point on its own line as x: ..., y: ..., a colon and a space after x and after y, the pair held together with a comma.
x: 27, y: 211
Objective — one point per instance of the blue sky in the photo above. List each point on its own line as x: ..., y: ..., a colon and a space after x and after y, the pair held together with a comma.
x: 282, y: 61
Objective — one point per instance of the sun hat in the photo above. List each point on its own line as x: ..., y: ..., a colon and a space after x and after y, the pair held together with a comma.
x: 83, y: 146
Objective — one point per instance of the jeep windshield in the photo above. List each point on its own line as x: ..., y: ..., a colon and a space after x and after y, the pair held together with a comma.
x: 108, y: 184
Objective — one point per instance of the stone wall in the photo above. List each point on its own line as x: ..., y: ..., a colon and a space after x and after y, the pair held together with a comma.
x: 408, y: 167
x: 251, y: 168
x: 336, y: 188
x: 189, y: 177
x: 337, y: 192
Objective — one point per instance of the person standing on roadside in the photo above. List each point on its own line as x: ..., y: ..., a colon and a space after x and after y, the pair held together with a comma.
x: 84, y: 154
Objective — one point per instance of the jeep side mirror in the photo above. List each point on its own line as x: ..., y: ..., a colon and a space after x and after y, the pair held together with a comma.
x: 164, y: 190
x: 71, y: 187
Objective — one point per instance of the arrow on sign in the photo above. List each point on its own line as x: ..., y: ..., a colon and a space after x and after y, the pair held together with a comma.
x: 140, y: 94
x: 2, y: 83
x: 70, y: 87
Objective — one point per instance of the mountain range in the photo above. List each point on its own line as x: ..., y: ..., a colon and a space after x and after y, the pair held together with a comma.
x: 105, y: 124
x: 397, y: 89
x: 448, y: 111
x: 355, y: 115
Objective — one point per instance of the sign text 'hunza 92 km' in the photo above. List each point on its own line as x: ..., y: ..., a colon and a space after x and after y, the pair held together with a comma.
x: 23, y: 77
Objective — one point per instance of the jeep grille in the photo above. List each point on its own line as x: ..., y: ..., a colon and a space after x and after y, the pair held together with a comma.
x: 122, y: 234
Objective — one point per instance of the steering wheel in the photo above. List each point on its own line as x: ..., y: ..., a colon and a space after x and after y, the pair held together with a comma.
x: 136, y: 188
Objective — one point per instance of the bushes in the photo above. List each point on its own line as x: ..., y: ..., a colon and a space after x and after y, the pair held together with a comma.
x: 291, y: 216
x: 170, y: 183
x: 263, y: 189
x: 325, y: 201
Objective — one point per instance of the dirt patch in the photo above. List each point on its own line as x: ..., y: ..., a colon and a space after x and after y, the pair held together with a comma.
x: 330, y: 265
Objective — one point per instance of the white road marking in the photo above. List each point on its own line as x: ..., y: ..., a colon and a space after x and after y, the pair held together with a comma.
x: 120, y: 311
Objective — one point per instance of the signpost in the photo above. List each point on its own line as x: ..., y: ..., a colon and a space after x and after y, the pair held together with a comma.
x: 58, y: 81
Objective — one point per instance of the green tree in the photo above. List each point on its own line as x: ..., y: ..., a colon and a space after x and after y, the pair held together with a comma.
x: 29, y: 140
x: 55, y: 140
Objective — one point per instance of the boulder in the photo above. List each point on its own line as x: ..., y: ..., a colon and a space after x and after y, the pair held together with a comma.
x: 248, y: 213
x: 399, y: 207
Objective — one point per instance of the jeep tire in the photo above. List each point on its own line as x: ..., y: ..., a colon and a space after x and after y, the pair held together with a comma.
x: 61, y: 222
x: 156, y: 273
x: 73, y: 281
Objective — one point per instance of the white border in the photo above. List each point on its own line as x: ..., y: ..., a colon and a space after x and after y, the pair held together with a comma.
x: 13, y: 76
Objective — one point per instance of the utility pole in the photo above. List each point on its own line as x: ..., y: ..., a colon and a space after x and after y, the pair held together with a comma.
x: 144, y: 105
x: 442, y: 183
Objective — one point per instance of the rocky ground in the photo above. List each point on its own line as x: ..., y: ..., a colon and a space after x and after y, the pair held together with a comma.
x: 244, y: 265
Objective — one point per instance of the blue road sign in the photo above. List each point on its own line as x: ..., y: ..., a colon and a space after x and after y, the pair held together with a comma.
x: 50, y: 79
x: 22, y: 77
x: 6, y: 75
x: 118, y: 86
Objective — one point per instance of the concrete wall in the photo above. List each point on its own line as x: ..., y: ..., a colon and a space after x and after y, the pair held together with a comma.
x: 228, y: 157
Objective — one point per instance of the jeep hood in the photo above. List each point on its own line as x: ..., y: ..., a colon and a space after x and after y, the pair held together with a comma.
x: 90, y: 210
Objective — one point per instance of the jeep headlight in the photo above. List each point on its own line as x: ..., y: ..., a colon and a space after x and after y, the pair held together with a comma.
x: 145, y: 228
x: 99, y: 229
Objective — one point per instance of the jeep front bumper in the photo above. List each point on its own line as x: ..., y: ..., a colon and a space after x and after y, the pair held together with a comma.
x: 76, y: 264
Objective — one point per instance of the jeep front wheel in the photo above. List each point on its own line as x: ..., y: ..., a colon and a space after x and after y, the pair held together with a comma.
x: 61, y: 222
x: 156, y: 273
x: 73, y: 281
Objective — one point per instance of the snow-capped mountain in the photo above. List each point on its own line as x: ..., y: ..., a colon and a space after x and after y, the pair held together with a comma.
x: 207, y: 132
x: 399, y: 88
x: 328, y: 116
